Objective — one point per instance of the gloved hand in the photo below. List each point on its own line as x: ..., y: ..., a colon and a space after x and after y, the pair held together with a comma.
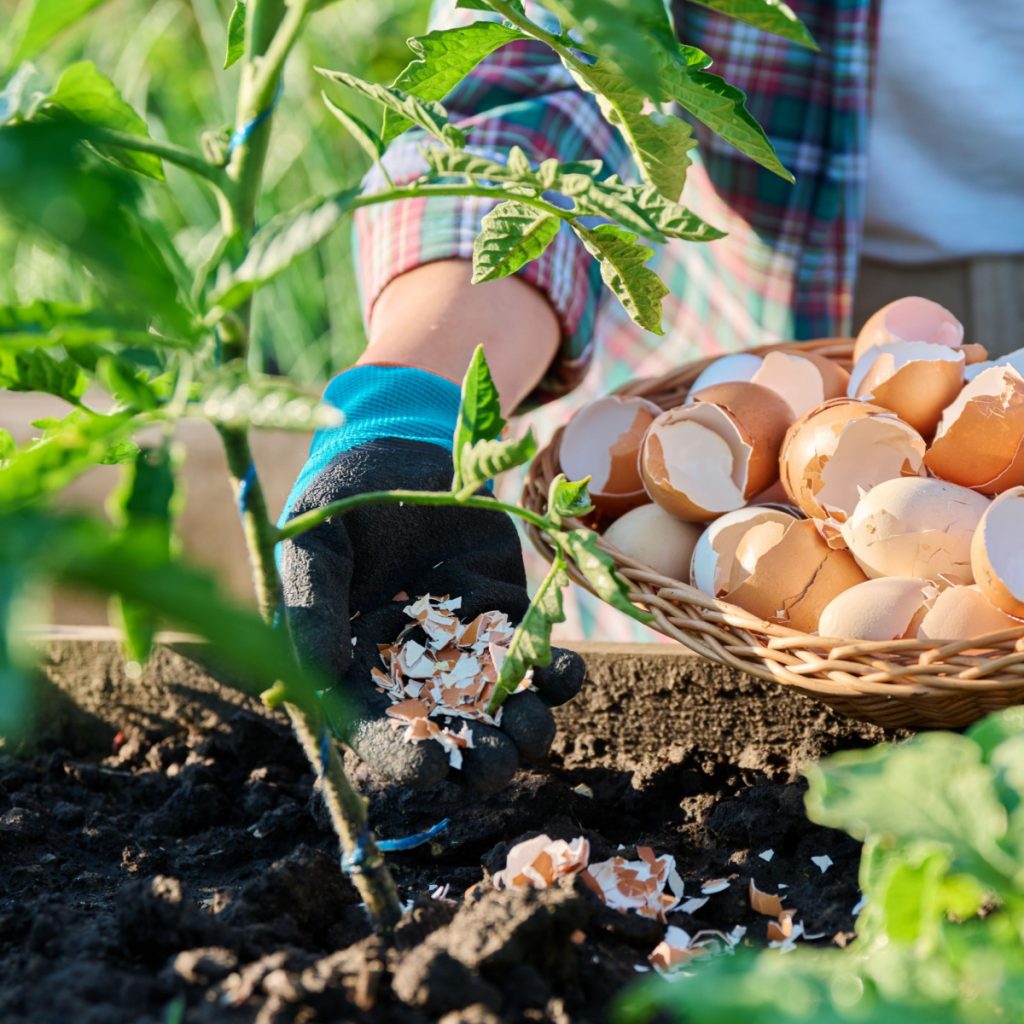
x: 341, y: 577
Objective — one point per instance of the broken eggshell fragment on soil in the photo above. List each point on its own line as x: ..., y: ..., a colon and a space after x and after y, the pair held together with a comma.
x: 979, y: 442
x: 915, y: 526
x: 997, y: 554
x: 709, y: 457
x: 602, y: 441
x: 841, y: 449
x: 654, y: 537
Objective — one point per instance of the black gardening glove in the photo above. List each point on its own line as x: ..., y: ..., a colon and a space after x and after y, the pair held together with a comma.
x: 341, y: 579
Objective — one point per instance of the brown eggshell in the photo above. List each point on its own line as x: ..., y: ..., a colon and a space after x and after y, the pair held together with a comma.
x: 888, y: 608
x: 602, y: 441
x: 793, y: 582
x: 763, y: 417
x: 826, y: 433
x: 909, y: 319
x: 834, y: 377
x: 980, y: 439
x: 995, y: 553
x: 963, y: 612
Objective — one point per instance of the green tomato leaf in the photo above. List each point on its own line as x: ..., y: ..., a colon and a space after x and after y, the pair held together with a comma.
x: 722, y: 107
x: 771, y: 15
x: 90, y: 97
x: 368, y: 139
x: 145, y: 503
x: 531, y: 643
x: 624, y: 32
x: 66, y: 449
x: 236, y: 34
x: 126, y: 383
x: 622, y: 260
x: 279, y: 243
x: 483, y: 5
x: 43, y: 324
x: 598, y: 570
x: 426, y: 114
x: 659, y: 143
x: 480, y: 416
x: 39, y: 371
x: 487, y: 459
x: 7, y: 445
x: 443, y: 59
x: 511, y: 235
x: 569, y: 499
x: 36, y: 22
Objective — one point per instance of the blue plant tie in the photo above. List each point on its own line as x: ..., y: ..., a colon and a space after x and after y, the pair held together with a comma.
x: 240, y: 136
x: 245, y: 487
x: 325, y: 751
x: 411, y: 842
x: 352, y: 863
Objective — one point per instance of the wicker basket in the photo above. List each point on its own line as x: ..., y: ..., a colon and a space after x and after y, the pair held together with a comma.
x: 895, y: 683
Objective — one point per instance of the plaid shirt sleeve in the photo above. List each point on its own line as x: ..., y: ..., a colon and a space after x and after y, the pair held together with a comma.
x: 520, y: 96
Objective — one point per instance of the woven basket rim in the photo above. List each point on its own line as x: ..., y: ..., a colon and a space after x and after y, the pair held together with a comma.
x: 896, y: 683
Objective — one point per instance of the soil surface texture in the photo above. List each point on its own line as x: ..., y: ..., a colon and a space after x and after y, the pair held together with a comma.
x: 185, y: 872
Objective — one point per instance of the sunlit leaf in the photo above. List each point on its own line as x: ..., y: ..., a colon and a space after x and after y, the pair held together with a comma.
x: 487, y: 459
x: 480, y: 416
x: 36, y: 22
x: 511, y: 235
x: 90, y: 97
x: 771, y: 15
x: 279, y: 243
x: 39, y: 371
x: 426, y: 114
x: 598, y: 568
x: 126, y: 383
x: 236, y: 34
x: 622, y: 260
x: 483, y: 5
x: 443, y: 59
x: 569, y: 499
x: 50, y: 324
x: 368, y: 139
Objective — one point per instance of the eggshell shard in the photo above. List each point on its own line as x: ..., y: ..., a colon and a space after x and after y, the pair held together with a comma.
x: 845, y: 447
x: 652, y: 536
x: 796, y: 578
x: 963, y: 612
x: 802, y: 381
x: 889, y: 608
x: 979, y: 442
x: 977, y: 366
x: 715, y: 566
x: 914, y: 379
x: 915, y: 526
x: 909, y: 319
x: 709, y: 457
x: 740, y: 366
x: 602, y: 441
x: 997, y: 554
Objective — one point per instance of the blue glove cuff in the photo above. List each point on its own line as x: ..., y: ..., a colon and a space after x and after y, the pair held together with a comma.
x: 381, y: 401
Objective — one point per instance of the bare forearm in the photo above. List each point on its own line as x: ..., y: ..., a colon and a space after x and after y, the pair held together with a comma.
x: 433, y: 318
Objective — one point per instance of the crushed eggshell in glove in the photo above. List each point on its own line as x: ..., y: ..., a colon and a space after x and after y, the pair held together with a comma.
x: 452, y: 675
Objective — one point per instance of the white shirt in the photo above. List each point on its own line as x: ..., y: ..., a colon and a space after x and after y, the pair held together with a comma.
x: 946, y: 144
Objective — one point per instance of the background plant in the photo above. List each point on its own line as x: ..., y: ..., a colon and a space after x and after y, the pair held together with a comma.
x: 158, y: 311
x: 941, y: 935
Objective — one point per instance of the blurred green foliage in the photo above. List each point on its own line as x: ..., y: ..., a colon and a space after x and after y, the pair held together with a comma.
x: 166, y: 57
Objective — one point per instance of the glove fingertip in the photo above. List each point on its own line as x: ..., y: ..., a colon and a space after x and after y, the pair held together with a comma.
x: 562, y: 679
x: 529, y: 724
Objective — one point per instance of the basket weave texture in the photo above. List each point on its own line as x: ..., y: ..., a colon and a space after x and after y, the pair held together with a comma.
x: 896, y: 684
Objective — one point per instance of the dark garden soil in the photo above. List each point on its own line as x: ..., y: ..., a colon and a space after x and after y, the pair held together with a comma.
x: 189, y: 874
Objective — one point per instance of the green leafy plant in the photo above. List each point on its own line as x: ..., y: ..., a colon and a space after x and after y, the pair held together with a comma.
x: 941, y: 935
x: 167, y: 335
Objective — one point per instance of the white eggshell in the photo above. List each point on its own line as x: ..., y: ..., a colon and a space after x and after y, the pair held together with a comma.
x: 915, y: 526
x: 740, y: 366
x: 879, y: 609
x: 650, y: 535
x: 963, y: 612
x: 997, y: 553
x: 796, y: 379
x: 911, y: 318
x: 715, y: 557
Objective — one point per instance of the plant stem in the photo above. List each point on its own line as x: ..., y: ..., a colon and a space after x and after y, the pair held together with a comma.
x: 301, y: 523
x: 169, y: 151
x: 484, y: 191
x: 511, y: 15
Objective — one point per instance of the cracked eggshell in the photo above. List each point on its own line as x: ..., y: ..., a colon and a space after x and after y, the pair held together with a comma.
x: 841, y: 449
x: 794, y: 579
x: 997, y: 554
x: 653, y: 537
x: 979, y: 442
x: 1014, y: 359
x: 909, y: 319
x: 915, y: 526
x: 889, y: 608
x: 803, y: 381
x: 740, y: 366
x: 963, y: 612
x: 709, y: 457
x: 602, y: 441
x: 914, y: 379
x: 716, y: 566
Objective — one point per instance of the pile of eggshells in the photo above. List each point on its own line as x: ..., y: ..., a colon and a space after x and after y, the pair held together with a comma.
x: 885, y: 503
